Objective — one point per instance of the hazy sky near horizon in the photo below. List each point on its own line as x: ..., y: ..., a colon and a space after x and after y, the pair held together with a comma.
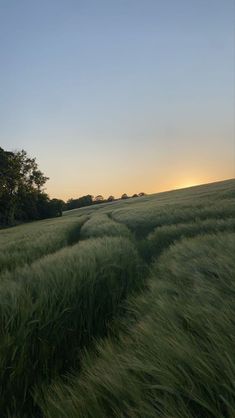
x: 115, y: 96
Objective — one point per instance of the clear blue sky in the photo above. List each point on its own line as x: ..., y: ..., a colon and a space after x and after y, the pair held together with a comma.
x: 117, y: 96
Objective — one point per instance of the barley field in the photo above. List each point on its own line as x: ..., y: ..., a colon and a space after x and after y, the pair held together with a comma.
x: 122, y: 310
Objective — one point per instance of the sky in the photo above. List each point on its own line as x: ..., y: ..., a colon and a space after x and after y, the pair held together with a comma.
x: 119, y: 96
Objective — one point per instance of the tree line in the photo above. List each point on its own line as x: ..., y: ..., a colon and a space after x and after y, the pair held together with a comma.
x: 91, y: 200
x: 22, y: 195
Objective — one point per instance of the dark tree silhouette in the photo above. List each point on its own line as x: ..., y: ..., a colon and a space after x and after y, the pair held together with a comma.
x: 80, y: 202
x: 99, y: 198
x: 21, y: 189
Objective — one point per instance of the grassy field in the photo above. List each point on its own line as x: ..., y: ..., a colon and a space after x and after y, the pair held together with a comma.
x: 122, y: 310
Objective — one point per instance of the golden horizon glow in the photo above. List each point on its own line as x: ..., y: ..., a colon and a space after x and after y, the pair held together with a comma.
x: 186, y: 184
x: 182, y: 184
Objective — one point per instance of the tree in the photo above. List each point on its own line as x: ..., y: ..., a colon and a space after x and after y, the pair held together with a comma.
x: 10, y: 178
x: 99, y: 198
x: 111, y: 198
x: 135, y: 195
x: 21, y: 185
x: 80, y: 202
x: 55, y: 207
x: 124, y: 196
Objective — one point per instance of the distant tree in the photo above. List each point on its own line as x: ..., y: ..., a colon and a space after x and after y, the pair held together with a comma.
x: 124, y: 196
x: 55, y: 207
x: 80, y: 202
x: 135, y: 195
x: 70, y: 204
x: 110, y: 199
x: 141, y: 194
x: 99, y: 199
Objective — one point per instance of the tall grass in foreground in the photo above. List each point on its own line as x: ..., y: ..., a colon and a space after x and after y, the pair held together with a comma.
x: 25, y: 243
x: 177, y: 359
x: 169, y: 357
x: 52, y: 309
